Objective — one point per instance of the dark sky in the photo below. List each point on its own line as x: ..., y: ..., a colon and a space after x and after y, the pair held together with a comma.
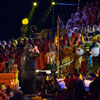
x: 11, y: 14
x: 13, y: 11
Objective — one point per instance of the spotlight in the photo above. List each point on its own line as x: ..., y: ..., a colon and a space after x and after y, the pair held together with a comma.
x: 35, y: 4
x: 53, y: 3
x: 25, y: 21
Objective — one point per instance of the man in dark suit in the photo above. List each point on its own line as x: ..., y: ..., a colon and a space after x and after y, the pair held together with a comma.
x: 28, y: 69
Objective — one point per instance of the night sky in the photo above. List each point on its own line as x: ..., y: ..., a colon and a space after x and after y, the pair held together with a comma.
x: 13, y: 11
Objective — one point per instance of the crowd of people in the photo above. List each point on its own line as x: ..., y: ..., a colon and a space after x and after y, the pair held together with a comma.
x: 10, y: 52
x: 50, y: 85
x: 86, y: 19
x: 76, y: 87
x: 7, y: 93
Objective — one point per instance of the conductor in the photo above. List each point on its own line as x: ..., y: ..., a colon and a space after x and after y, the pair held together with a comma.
x: 28, y: 69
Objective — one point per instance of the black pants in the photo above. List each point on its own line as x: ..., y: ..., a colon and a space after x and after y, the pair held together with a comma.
x: 29, y: 83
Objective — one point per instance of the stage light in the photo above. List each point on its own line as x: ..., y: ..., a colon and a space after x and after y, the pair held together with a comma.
x: 53, y: 3
x: 25, y: 21
x: 35, y: 4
